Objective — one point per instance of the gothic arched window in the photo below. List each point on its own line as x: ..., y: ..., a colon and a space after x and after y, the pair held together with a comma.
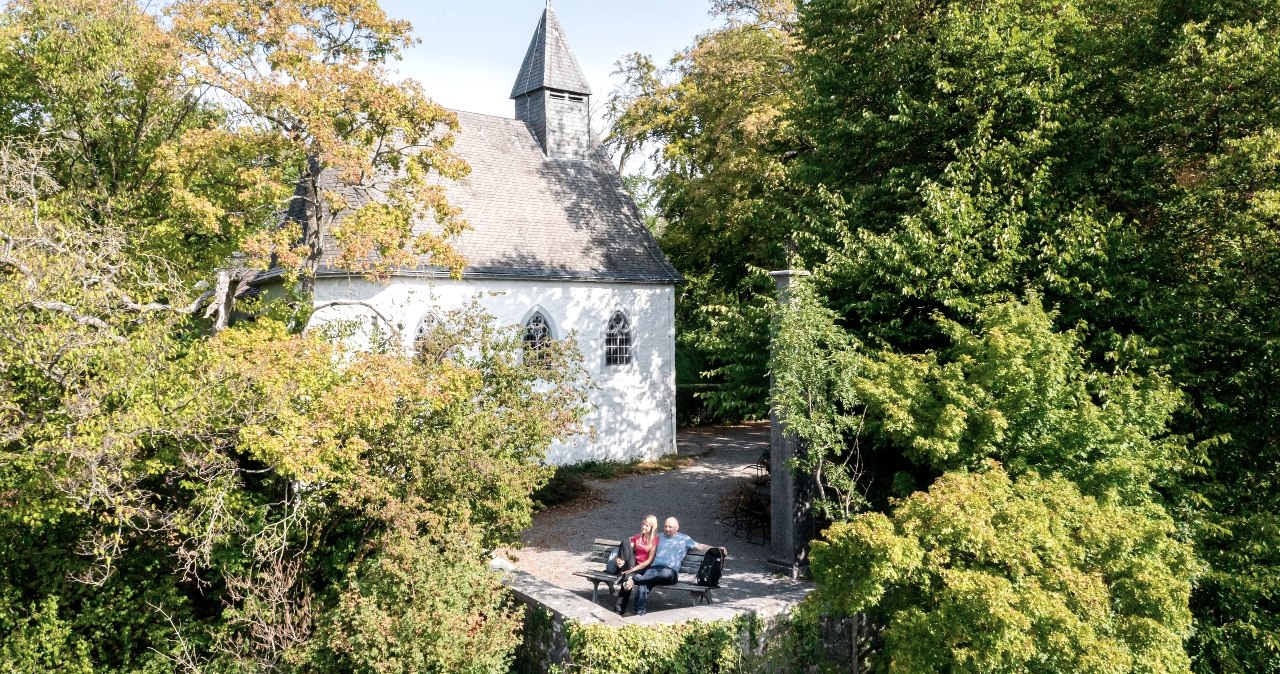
x: 617, y: 340
x: 428, y: 340
x: 426, y: 326
x: 537, y: 335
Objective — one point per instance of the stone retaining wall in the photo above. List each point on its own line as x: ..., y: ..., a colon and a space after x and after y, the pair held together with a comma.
x: 551, y: 608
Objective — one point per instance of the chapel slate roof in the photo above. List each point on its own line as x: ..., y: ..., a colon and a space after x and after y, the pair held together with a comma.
x: 549, y: 62
x: 536, y: 217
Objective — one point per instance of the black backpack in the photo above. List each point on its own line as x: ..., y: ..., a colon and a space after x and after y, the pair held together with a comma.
x: 711, y: 567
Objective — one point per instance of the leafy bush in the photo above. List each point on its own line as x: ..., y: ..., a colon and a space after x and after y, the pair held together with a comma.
x: 992, y: 567
x: 421, y: 607
x: 988, y: 573
x: 40, y: 641
x: 692, y: 647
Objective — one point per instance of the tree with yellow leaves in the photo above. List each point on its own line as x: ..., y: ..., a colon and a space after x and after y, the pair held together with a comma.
x: 175, y: 497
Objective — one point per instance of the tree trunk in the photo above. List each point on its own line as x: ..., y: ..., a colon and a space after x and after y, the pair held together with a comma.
x: 223, y: 296
x: 311, y: 218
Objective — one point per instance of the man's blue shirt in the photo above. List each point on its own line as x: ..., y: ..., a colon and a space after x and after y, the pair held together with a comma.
x: 672, y: 549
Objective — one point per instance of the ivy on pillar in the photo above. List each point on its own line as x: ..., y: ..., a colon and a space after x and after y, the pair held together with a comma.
x: 791, y: 521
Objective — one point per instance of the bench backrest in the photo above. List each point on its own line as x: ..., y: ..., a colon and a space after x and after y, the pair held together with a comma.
x: 601, y: 547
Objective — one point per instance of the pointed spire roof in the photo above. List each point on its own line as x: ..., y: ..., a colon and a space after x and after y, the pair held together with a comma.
x: 549, y: 62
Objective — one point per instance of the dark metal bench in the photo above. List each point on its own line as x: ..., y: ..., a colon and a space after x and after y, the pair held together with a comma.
x: 600, y: 555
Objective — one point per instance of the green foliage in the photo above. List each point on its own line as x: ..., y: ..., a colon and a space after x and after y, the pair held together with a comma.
x: 305, y: 493
x: 537, y: 635
x: 640, y: 187
x: 966, y: 135
x: 1115, y: 161
x: 147, y: 149
x: 1118, y: 158
x: 198, y: 177
x: 793, y: 643
x: 990, y: 569
x: 42, y: 642
x: 711, y: 122
x: 684, y: 648
x: 1011, y: 388
x: 421, y: 608
x: 988, y: 573
x: 803, y: 642
x: 176, y: 495
x: 1020, y: 392
x: 814, y: 361
x: 728, y: 330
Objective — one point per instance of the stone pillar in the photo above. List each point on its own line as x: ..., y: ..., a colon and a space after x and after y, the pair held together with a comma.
x: 791, y: 524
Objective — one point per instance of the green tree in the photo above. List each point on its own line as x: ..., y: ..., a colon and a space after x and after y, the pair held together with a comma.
x: 241, y: 478
x: 196, y: 129
x: 181, y: 494
x: 988, y: 573
x: 314, y: 75
x: 929, y: 162
x: 1119, y: 159
x: 1011, y: 388
x: 712, y: 124
x: 989, y: 569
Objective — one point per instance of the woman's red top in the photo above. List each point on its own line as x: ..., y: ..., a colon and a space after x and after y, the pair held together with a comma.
x: 642, y: 553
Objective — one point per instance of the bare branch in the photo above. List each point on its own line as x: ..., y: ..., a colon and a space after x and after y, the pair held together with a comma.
x: 187, y: 659
x: 91, y: 321
x: 366, y: 305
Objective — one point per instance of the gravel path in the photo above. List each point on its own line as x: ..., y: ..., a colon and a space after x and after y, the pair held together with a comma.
x: 699, y: 496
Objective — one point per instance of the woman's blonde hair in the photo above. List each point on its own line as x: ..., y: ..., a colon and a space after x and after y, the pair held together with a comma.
x: 652, y: 521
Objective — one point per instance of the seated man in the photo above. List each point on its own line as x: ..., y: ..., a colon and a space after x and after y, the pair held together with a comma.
x: 665, y: 569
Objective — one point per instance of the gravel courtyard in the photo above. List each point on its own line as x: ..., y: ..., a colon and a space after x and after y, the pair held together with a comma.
x: 699, y: 495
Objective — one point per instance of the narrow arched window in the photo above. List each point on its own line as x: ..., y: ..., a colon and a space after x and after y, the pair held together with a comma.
x: 537, y: 336
x: 617, y: 340
x: 426, y: 326
x: 429, y: 341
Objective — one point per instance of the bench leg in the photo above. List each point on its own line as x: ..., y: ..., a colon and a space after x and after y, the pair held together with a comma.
x: 595, y: 591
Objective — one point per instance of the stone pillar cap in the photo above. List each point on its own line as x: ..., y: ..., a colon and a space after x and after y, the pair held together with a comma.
x: 790, y: 272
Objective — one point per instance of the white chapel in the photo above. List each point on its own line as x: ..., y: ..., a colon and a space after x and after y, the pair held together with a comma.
x: 557, y: 246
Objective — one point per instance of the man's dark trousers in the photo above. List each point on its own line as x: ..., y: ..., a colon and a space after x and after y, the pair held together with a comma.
x: 645, y: 581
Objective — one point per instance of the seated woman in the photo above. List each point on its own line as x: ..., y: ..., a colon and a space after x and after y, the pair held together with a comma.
x: 635, y: 555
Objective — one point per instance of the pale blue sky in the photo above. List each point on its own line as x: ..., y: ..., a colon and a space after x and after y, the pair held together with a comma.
x: 471, y: 49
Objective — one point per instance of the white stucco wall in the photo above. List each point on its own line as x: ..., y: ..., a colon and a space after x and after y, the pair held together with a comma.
x: 632, y: 406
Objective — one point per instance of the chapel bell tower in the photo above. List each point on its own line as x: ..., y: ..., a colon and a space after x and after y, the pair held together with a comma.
x: 552, y: 95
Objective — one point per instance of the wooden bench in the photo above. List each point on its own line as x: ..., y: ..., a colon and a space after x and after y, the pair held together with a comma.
x: 600, y: 555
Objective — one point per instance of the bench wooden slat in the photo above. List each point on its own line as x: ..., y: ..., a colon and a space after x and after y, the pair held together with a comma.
x: 600, y: 549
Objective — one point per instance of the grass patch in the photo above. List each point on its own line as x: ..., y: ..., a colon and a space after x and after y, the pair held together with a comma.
x: 569, y: 484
